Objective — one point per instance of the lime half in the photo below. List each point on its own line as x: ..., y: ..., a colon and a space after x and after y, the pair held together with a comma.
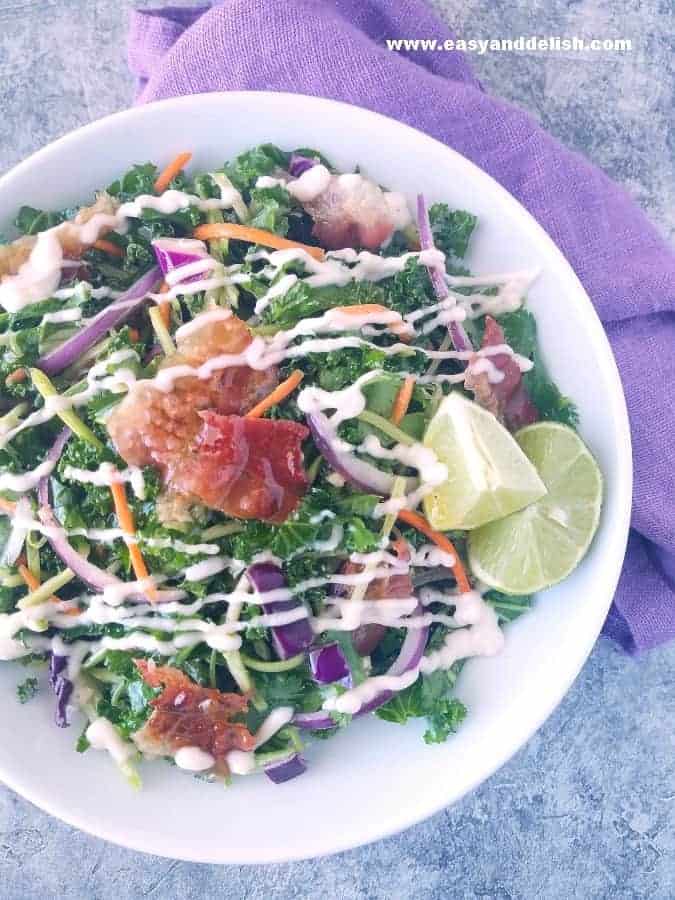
x: 489, y: 476
x: 538, y: 546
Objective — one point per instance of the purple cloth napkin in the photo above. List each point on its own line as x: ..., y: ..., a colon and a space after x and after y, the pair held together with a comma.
x: 335, y: 48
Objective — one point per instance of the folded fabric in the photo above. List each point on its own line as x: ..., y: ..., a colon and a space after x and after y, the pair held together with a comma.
x: 336, y: 48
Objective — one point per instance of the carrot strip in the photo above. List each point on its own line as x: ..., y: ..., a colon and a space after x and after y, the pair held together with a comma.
x: 7, y: 507
x: 420, y: 523
x: 278, y: 394
x: 403, y: 398
x: 126, y: 520
x: 167, y: 175
x: 16, y: 376
x: 31, y: 581
x: 108, y: 247
x: 229, y: 230
x: 134, y: 335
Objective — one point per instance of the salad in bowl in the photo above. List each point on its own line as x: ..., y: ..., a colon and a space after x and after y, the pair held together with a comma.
x: 271, y: 460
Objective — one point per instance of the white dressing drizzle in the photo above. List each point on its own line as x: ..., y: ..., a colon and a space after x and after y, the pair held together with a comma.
x: 106, y: 475
x: 477, y: 633
x: 72, y: 314
x: 219, y: 314
x: 102, y: 735
x: 26, y: 481
x: 242, y: 762
x: 193, y: 759
x: 40, y: 274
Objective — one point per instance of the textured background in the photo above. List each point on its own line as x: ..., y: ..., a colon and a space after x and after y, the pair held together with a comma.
x: 587, y: 808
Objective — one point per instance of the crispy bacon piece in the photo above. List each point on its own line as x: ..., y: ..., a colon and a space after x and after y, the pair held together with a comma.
x: 352, y: 212
x: 397, y: 586
x: 188, y: 715
x: 248, y: 468
x: 15, y: 254
x: 507, y: 399
x: 151, y: 427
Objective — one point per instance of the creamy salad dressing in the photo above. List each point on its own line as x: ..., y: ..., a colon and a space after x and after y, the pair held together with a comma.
x: 39, y: 276
x: 102, y: 735
x: 475, y: 625
x: 26, y: 481
x: 106, y: 475
x: 242, y: 762
x: 72, y: 314
x: 477, y: 633
x: 193, y: 759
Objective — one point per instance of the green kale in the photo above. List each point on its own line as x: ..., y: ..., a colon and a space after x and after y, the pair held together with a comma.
x: 303, y: 301
x: 27, y: 690
x: 451, y: 229
x: 519, y: 327
x: 28, y: 448
x: 294, y: 536
x: 245, y: 170
x: 8, y: 596
x: 295, y: 688
x: 428, y: 697
x: 444, y: 720
x: 551, y: 403
x: 139, y: 179
x: 520, y: 333
x: 410, y: 289
x: 126, y: 701
x: 508, y: 606
x: 30, y: 220
x: 269, y: 209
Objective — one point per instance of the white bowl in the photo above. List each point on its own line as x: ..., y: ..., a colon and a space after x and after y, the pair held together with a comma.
x: 376, y: 778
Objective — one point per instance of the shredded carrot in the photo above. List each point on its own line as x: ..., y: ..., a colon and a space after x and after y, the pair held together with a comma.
x: 167, y: 175
x: 165, y: 313
x: 234, y: 232
x: 164, y: 305
x: 126, y: 520
x: 403, y: 398
x: 108, y: 247
x: 398, y: 326
x: 8, y: 507
x: 16, y: 376
x: 278, y: 394
x: 420, y: 523
x: 31, y: 581
x: 401, y: 548
x: 134, y: 335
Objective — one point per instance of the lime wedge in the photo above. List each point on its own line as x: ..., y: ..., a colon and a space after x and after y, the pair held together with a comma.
x: 532, y: 549
x: 489, y: 476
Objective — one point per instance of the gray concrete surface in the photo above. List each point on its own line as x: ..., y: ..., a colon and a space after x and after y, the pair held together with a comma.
x: 587, y: 808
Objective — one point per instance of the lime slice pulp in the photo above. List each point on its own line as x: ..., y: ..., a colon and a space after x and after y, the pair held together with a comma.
x: 538, y: 546
x: 489, y: 476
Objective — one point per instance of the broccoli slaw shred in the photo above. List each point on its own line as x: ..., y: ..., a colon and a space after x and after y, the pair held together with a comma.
x: 215, y: 390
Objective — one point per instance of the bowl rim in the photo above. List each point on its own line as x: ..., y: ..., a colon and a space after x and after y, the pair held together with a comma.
x: 623, y: 475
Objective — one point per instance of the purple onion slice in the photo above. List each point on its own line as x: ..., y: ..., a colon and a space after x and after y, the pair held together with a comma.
x: 62, y: 687
x: 285, y: 769
x: 359, y: 473
x: 299, y: 164
x: 291, y: 639
x: 460, y: 338
x: 71, y: 350
x: 328, y: 664
x: 172, y: 253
